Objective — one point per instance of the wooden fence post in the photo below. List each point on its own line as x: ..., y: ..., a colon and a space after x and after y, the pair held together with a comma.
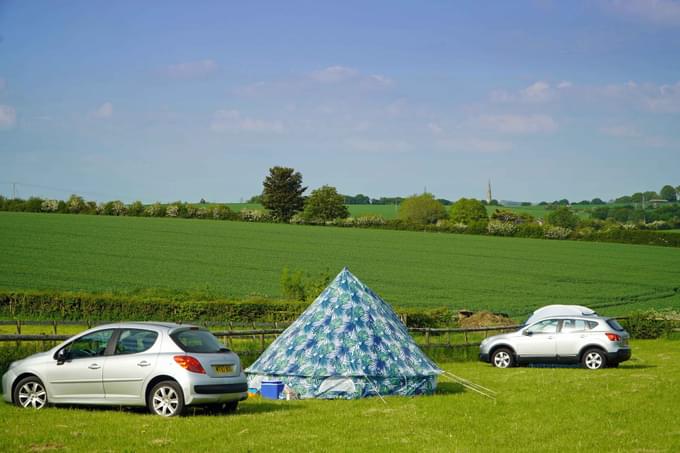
x: 54, y: 326
x: 427, y: 337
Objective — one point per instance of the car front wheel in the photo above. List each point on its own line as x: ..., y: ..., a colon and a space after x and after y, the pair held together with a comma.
x: 166, y: 399
x: 594, y: 359
x: 30, y: 392
x: 502, y: 358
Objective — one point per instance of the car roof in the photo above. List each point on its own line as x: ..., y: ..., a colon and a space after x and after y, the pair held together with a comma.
x: 147, y: 324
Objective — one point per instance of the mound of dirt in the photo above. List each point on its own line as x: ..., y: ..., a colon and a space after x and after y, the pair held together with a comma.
x: 484, y: 319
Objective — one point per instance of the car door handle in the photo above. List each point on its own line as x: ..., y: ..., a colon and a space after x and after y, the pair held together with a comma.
x: 143, y: 363
x: 550, y: 337
x: 94, y: 366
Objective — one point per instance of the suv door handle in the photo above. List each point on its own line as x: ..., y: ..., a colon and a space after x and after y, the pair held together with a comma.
x: 143, y: 363
x: 94, y: 366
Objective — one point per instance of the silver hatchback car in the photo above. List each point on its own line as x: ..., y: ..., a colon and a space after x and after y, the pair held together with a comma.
x: 593, y: 341
x: 163, y: 366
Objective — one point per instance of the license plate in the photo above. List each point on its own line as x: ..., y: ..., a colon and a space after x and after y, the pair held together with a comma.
x: 223, y: 369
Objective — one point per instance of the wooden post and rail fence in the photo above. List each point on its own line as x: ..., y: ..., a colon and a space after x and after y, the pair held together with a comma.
x: 259, y: 332
x: 250, y: 330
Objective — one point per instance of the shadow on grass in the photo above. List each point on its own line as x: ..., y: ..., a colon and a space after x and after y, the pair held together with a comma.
x: 449, y: 388
x: 258, y: 407
x: 636, y: 366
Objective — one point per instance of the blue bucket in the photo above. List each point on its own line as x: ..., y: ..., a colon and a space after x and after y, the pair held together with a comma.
x: 271, y: 390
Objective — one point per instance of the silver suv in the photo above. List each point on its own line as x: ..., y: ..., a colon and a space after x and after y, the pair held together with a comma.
x: 593, y: 341
x: 163, y: 366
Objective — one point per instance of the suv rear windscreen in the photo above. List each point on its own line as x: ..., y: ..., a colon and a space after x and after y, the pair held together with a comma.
x: 197, y: 340
x: 614, y: 324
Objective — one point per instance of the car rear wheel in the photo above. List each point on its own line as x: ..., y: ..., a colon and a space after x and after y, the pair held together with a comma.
x: 30, y: 392
x: 502, y: 358
x: 594, y: 359
x: 166, y: 399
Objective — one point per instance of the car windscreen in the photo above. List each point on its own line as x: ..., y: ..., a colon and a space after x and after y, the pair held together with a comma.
x: 197, y: 340
x: 614, y: 324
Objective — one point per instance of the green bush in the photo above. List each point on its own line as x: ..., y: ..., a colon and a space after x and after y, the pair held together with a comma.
x: 647, y: 325
x: 421, y: 209
x: 467, y: 211
x: 115, y: 307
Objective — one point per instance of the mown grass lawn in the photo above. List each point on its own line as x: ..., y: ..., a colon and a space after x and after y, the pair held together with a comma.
x: 632, y: 408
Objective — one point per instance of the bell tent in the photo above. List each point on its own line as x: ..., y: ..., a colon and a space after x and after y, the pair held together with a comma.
x: 349, y: 343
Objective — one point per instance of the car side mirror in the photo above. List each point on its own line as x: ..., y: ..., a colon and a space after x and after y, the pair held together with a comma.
x: 527, y: 332
x: 63, y: 356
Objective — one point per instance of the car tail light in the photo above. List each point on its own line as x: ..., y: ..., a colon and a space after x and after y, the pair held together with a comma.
x: 613, y: 336
x: 189, y: 363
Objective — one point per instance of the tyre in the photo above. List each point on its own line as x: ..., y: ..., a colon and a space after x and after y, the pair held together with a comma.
x: 594, y: 359
x: 30, y: 392
x: 166, y: 399
x: 502, y: 358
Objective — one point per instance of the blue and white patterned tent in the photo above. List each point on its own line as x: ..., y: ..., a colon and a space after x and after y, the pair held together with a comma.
x: 349, y: 343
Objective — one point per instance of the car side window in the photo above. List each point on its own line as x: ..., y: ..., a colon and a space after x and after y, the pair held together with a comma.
x: 134, y: 341
x: 573, y: 325
x: 545, y: 326
x: 90, y: 345
x: 591, y: 324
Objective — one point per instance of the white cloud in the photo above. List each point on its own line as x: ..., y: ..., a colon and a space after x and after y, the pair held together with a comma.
x: 104, y: 111
x: 378, y: 146
x: 8, y: 117
x: 518, y: 124
x: 647, y: 96
x: 472, y: 144
x: 191, y: 69
x: 622, y: 131
x: 538, y: 92
x: 334, y: 74
x: 659, y: 12
x: 234, y: 121
x: 435, y: 128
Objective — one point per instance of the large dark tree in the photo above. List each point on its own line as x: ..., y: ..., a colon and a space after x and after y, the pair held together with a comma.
x: 282, y: 192
x: 668, y: 193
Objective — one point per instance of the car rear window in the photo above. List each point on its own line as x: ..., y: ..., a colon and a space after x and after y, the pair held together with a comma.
x: 614, y: 324
x: 197, y: 340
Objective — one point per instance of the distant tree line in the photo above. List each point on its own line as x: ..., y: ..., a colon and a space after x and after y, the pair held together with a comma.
x: 284, y: 200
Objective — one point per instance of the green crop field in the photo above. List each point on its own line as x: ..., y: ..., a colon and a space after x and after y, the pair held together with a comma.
x: 409, y: 269
x: 630, y: 408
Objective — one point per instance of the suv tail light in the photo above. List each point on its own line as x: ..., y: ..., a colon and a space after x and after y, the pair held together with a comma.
x: 189, y: 363
x: 613, y: 336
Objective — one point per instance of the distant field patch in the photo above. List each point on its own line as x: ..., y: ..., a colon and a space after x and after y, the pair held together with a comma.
x: 409, y: 269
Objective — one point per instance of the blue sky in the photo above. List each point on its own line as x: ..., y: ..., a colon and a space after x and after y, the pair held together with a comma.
x: 177, y: 100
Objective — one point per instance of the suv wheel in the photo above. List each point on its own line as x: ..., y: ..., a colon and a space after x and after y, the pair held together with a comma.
x: 594, y: 359
x: 166, y: 399
x: 502, y: 358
